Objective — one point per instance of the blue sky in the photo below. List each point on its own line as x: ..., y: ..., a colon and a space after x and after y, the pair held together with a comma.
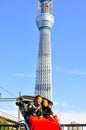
x: 19, y: 41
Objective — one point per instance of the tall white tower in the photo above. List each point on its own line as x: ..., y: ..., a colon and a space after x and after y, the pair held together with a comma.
x: 44, y: 20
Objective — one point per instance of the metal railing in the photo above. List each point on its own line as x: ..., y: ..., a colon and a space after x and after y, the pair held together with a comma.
x: 63, y: 126
x: 73, y: 126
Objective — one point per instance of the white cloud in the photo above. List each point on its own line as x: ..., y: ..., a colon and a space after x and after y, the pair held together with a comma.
x: 65, y: 106
x: 63, y: 103
x: 76, y: 72
x: 71, y: 117
x: 25, y: 75
x: 71, y: 114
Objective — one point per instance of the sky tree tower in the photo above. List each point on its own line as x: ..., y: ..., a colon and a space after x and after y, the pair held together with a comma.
x: 44, y: 20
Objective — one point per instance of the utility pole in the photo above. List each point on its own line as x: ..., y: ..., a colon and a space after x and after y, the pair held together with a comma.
x: 18, y: 108
x: 0, y: 95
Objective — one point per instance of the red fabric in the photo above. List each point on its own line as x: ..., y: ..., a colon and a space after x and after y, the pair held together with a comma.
x: 37, y: 123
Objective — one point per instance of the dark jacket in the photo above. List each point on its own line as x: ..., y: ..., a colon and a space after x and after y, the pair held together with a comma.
x: 38, y: 112
x: 47, y: 111
x: 32, y: 109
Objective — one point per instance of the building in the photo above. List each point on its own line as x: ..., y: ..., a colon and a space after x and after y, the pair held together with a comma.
x: 74, y: 126
x: 44, y: 20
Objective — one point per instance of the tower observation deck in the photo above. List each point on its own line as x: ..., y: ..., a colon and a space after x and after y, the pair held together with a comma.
x: 45, y: 21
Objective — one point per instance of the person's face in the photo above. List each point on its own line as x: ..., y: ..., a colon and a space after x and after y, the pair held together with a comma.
x: 39, y: 100
x: 45, y: 103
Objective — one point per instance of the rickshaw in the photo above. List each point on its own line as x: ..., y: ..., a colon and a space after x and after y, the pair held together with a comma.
x: 31, y: 122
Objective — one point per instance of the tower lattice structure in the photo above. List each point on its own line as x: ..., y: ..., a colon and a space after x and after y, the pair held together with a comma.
x: 45, y: 21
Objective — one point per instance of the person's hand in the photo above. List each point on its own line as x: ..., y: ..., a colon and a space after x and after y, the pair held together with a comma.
x: 51, y: 117
x: 38, y: 108
x: 40, y: 117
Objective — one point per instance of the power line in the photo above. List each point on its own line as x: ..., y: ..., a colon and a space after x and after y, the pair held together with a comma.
x: 7, y: 99
x: 7, y: 91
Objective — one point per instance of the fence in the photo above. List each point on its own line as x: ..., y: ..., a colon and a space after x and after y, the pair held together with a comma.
x: 73, y: 126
